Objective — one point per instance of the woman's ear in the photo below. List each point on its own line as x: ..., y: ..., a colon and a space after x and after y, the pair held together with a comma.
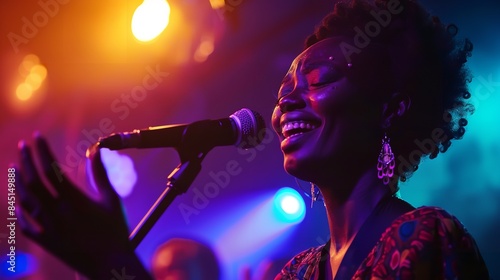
x: 404, y: 105
x: 397, y: 106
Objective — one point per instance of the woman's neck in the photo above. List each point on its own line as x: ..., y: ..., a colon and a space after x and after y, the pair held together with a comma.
x: 348, y: 205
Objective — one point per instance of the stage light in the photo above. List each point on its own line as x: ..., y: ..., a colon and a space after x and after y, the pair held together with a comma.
x: 289, y: 206
x: 29, y: 61
x: 265, y: 222
x: 24, y: 92
x: 33, y: 74
x: 23, y: 265
x: 120, y: 170
x: 36, y: 76
x: 150, y: 19
x: 217, y: 4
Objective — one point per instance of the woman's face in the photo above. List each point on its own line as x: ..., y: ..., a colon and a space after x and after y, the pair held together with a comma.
x: 322, y: 118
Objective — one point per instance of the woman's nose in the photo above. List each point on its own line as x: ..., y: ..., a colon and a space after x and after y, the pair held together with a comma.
x: 291, y: 101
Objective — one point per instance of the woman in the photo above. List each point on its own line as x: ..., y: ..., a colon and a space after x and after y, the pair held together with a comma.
x: 378, y: 87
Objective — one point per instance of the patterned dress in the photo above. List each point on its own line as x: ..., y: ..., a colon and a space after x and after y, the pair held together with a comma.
x: 426, y: 243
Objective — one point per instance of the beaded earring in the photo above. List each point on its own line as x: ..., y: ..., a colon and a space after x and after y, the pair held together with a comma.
x: 386, y: 163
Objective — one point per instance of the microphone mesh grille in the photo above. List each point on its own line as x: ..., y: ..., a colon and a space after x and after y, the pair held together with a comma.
x: 251, y: 128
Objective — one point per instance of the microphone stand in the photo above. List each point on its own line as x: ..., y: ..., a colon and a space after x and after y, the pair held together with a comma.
x: 191, y: 153
x: 178, y: 182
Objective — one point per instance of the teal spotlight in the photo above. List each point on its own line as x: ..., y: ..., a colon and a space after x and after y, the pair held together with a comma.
x: 289, y: 206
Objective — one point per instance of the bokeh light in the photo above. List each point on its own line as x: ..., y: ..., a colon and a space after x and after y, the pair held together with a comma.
x: 24, y: 91
x: 150, y: 19
x: 25, y: 264
x: 120, y: 170
x: 32, y: 74
x: 260, y: 221
x: 217, y: 4
x: 289, y: 205
x: 37, y: 76
x: 27, y: 64
x: 205, y: 48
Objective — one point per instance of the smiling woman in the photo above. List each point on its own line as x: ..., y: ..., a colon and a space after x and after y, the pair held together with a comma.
x: 377, y: 80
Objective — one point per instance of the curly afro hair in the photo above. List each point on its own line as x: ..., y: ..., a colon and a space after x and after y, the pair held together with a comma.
x: 435, y: 81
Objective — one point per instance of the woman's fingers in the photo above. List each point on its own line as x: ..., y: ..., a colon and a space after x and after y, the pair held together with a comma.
x: 32, y: 183
x: 29, y: 214
x: 28, y: 227
x: 51, y: 169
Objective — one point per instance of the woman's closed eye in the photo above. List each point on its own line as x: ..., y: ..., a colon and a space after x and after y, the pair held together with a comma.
x: 320, y: 84
x: 325, y: 81
x: 316, y: 79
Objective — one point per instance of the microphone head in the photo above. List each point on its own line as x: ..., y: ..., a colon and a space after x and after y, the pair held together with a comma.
x: 250, y: 126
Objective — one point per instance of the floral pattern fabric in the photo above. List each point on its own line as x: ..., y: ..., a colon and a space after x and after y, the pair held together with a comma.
x: 426, y: 243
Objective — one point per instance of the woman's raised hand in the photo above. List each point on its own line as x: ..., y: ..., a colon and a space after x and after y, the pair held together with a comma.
x: 89, y: 233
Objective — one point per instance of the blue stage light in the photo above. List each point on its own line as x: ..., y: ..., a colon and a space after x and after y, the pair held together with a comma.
x: 18, y: 265
x: 289, y: 206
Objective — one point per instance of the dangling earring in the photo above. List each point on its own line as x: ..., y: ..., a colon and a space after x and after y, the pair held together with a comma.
x: 386, y: 163
x: 315, y: 193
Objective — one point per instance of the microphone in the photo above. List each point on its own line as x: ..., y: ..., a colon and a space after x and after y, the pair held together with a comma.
x: 242, y: 129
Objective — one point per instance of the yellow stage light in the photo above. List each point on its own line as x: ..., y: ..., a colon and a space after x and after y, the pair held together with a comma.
x: 39, y: 70
x: 32, y: 76
x: 24, y: 92
x: 217, y: 4
x: 34, y: 81
x: 150, y: 19
x: 28, y: 62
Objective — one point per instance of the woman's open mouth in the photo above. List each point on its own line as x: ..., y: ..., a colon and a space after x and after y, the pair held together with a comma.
x: 294, y: 128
